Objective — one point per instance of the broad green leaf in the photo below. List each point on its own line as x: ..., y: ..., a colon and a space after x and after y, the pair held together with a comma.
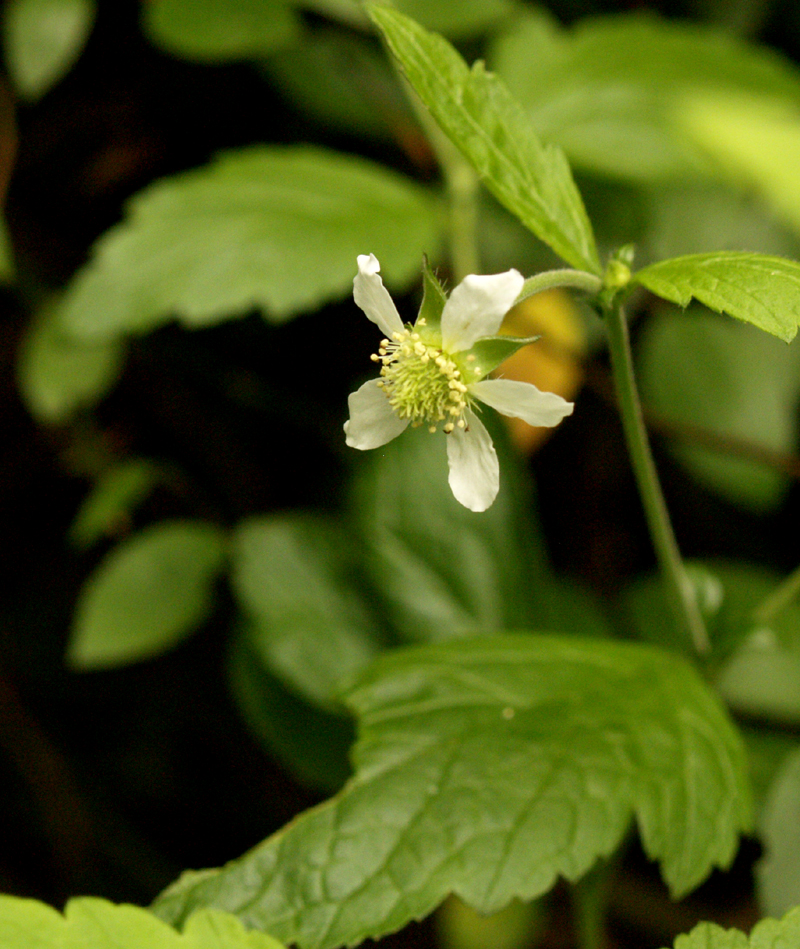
x: 730, y: 380
x: 267, y: 227
x: 313, y: 743
x: 149, y: 593
x: 42, y: 39
x: 612, y: 91
x: 756, y: 288
x: 90, y: 921
x: 778, y: 872
x: 219, y: 30
x: 60, y: 374
x: 456, y: 18
x: 766, y: 934
x: 755, y: 144
x: 109, y: 504
x: 481, y: 117
x: 487, y: 768
x: 295, y: 578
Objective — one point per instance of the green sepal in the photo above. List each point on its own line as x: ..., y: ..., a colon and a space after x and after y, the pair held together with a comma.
x: 433, y: 298
x: 493, y: 350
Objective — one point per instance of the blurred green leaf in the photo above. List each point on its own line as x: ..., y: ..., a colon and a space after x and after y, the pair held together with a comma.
x: 60, y: 374
x: 691, y: 219
x: 728, y: 592
x: 443, y: 570
x: 150, y: 592
x: 457, y: 18
x: 344, y: 81
x: 762, y: 678
x: 730, y: 380
x: 756, y: 664
x: 42, y: 39
x: 778, y: 872
x: 112, y: 499
x: 612, y: 90
x: 313, y: 743
x: 755, y: 144
x: 269, y: 227
x: 481, y: 117
x: 295, y: 577
x: 215, y: 31
x: 755, y: 288
x: 525, y: 756
x: 90, y: 921
x: 766, y: 934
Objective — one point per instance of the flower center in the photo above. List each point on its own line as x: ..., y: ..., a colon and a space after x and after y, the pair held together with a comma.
x: 423, y: 383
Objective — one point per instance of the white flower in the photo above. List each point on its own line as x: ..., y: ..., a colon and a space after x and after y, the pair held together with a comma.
x: 434, y: 372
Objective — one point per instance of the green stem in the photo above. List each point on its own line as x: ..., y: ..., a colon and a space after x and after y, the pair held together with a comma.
x: 682, y: 595
x: 783, y: 594
x: 550, y: 279
x: 589, y: 902
x: 462, y: 186
x: 462, y: 192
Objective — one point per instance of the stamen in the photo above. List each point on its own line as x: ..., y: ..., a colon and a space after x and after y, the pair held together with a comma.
x: 423, y: 384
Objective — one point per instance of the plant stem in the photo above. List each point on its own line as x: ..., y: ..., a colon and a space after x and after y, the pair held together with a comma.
x: 589, y: 902
x: 682, y: 596
x: 462, y: 192
x: 783, y: 594
x: 549, y: 279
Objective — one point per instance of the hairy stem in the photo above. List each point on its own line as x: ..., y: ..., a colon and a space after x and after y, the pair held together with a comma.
x: 550, y: 279
x: 682, y: 595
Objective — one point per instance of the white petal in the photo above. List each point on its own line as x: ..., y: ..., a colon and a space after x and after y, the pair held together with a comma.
x: 373, y: 298
x: 476, y: 308
x: 372, y: 421
x: 522, y: 400
x: 474, y: 469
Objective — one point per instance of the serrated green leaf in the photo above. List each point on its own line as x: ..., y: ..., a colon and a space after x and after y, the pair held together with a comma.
x: 481, y: 117
x: 294, y: 577
x: 487, y: 768
x: 756, y: 288
x: 613, y: 91
x: 60, y: 374
x: 213, y: 31
x: 313, y: 743
x: 42, y: 39
x: 109, y: 504
x: 766, y: 934
x: 730, y: 380
x: 150, y: 592
x: 267, y: 227
x: 90, y: 921
x: 778, y: 871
